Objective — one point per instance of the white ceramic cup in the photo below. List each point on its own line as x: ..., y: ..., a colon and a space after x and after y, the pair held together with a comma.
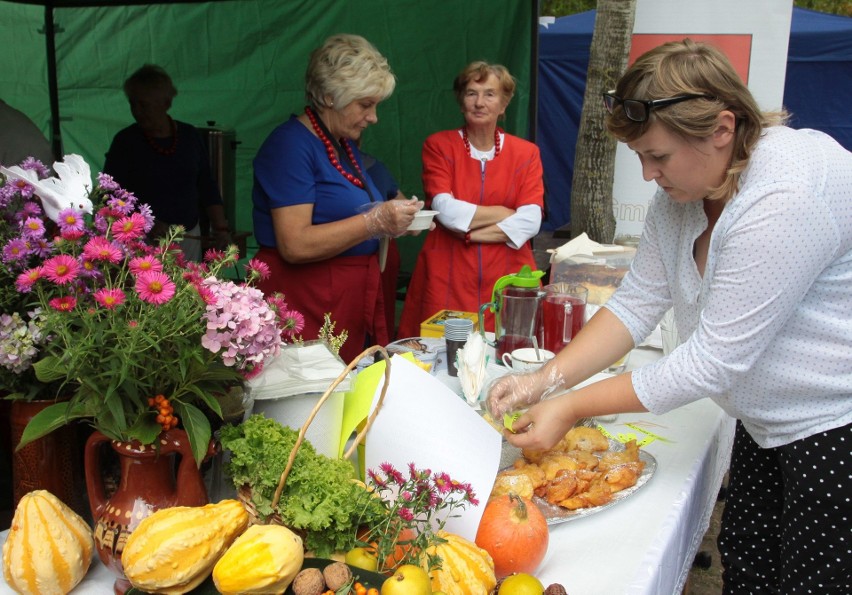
x: 525, y: 360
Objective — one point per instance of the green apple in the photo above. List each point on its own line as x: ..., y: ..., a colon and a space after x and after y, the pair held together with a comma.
x: 408, y: 579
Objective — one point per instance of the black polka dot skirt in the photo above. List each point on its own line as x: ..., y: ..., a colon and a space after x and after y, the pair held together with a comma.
x: 787, y: 523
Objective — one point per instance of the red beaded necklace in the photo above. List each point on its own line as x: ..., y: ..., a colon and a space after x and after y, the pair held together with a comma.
x: 496, y: 141
x: 170, y: 150
x: 332, y: 156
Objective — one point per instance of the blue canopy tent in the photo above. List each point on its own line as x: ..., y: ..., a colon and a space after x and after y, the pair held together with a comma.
x: 817, y: 87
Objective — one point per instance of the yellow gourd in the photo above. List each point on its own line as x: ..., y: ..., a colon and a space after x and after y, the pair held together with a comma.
x: 174, y: 550
x: 466, y: 569
x: 49, y: 546
x: 264, y: 559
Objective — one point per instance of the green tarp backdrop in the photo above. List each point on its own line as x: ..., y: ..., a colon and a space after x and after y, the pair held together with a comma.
x: 241, y: 64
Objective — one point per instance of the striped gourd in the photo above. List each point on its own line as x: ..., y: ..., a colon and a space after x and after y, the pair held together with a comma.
x: 174, y: 550
x: 49, y: 546
x: 466, y: 569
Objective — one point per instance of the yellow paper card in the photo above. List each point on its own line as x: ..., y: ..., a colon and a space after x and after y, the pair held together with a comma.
x: 356, y: 405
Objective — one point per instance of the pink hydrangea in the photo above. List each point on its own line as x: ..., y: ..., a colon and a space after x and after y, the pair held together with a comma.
x: 241, y: 326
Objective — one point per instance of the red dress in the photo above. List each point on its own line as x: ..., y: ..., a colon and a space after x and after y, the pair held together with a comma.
x: 449, y: 274
x: 347, y: 287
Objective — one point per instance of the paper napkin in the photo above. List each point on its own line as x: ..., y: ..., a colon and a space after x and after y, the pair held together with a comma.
x: 582, y: 245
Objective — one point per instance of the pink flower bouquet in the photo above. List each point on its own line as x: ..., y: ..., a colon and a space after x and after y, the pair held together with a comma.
x: 126, y: 321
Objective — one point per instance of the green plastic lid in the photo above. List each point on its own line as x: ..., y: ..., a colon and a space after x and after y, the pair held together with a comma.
x: 526, y: 277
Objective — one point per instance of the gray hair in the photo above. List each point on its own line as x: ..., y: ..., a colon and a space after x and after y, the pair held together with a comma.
x: 346, y: 68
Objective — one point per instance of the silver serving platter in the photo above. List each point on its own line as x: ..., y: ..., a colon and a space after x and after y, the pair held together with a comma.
x: 556, y: 515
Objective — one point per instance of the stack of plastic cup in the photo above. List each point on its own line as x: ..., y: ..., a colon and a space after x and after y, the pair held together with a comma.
x: 456, y: 332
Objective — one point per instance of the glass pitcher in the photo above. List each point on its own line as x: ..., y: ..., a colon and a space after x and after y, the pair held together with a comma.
x: 516, y: 304
x: 563, y: 314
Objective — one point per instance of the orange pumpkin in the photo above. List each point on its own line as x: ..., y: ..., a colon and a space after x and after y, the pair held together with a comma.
x: 514, y: 531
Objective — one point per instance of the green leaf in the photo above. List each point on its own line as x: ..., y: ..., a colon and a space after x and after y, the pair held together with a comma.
x: 49, y: 369
x: 48, y: 419
x: 197, y: 427
x: 145, y: 429
x: 208, y: 399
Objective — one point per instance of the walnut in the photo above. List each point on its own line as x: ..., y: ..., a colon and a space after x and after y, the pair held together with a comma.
x: 555, y: 589
x: 309, y: 582
x: 497, y: 586
x: 336, y: 575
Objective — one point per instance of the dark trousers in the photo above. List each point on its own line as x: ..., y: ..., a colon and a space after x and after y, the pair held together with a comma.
x: 787, y: 524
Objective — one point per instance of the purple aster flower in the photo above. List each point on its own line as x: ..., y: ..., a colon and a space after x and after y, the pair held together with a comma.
x: 16, y: 250
x: 71, y: 219
x: 37, y: 166
x: 32, y: 228
x: 107, y: 183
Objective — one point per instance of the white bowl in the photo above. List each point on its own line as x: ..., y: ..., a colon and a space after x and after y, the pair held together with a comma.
x: 422, y: 220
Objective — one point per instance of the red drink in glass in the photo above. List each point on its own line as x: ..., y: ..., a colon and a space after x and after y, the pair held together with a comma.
x: 508, y: 343
x: 558, y: 323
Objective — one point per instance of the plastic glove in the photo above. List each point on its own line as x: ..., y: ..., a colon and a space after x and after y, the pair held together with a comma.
x: 542, y: 426
x: 520, y: 391
x: 391, y: 218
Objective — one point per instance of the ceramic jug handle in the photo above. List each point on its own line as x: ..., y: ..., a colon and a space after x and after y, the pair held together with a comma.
x: 94, y: 478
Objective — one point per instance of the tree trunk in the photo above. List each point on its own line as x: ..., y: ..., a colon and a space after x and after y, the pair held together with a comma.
x: 594, y: 164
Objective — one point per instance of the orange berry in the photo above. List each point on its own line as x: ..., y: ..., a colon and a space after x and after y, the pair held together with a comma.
x: 159, y: 398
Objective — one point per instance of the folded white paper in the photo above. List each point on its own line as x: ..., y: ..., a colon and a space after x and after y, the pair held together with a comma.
x: 582, y: 245
x: 299, y: 369
x: 471, y: 367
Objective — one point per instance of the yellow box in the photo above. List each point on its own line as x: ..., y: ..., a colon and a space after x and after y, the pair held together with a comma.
x: 434, y: 325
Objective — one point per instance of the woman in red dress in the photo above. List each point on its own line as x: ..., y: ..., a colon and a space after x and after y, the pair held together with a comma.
x: 487, y: 188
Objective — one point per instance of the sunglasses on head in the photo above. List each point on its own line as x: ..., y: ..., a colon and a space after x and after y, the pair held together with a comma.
x: 639, y: 110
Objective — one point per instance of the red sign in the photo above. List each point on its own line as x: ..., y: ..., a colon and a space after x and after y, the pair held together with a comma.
x: 736, y: 47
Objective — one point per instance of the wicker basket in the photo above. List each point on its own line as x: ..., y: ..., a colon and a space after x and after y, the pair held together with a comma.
x: 245, y: 492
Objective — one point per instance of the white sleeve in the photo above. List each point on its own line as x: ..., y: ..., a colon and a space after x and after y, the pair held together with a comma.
x: 454, y: 214
x: 522, y: 226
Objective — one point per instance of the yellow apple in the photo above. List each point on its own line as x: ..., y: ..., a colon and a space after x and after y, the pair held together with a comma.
x: 521, y: 584
x: 408, y: 579
x: 361, y: 558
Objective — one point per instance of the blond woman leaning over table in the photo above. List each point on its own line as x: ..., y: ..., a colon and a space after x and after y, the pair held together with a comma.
x: 749, y: 239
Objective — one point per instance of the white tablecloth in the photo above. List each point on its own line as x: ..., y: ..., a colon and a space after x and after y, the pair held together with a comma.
x: 643, y: 545
x: 646, y: 543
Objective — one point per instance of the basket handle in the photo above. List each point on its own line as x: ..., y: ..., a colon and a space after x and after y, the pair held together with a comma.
x: 358, y: 437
